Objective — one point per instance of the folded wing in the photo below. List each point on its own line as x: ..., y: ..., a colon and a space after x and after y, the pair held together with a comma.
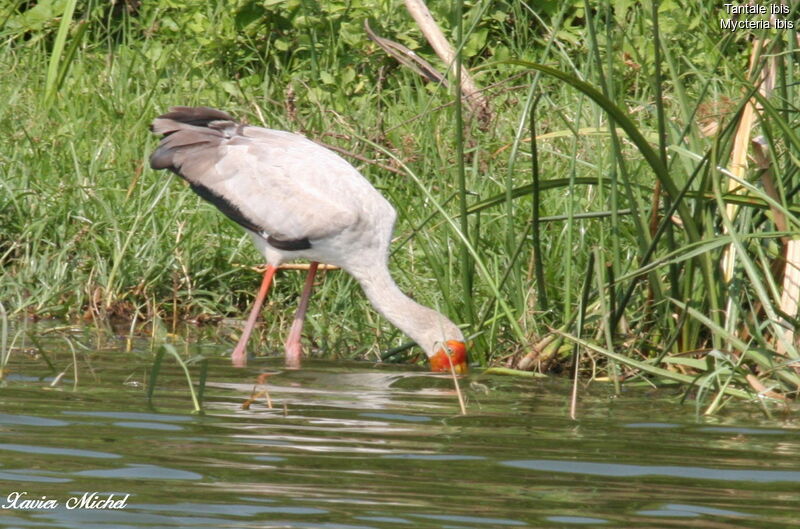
x: 274, y: 183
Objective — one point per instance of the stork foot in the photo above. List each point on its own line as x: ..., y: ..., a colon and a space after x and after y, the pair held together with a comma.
x: 294, y: 352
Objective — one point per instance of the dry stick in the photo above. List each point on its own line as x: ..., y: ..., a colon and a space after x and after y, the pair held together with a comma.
x: 791, y: 281
x: 289, y: 266
x: 262, y: 379
x: 791, y: 290
x: 763, y: 390
x: 761, y: 157
x: 406, y: 57
x: 527, y: 362
x: 477, y: 102
x: 306, y: 266
x: 458, y: 389
x: 256, y: 394
x: 741, y: 141
x: 573, y: 402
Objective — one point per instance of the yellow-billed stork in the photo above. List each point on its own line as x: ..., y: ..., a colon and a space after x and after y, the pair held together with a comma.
x: 299, y: 200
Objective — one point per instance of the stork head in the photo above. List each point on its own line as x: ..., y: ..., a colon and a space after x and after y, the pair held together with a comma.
x: 453, y: 353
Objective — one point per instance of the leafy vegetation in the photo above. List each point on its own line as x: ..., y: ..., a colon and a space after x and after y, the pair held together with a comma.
x: 611, y: 209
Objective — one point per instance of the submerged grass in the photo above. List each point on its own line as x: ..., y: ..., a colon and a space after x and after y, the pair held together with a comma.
x: 600, y: 208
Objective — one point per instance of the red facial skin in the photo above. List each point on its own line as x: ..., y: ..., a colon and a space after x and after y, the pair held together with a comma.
x: 458, y: 357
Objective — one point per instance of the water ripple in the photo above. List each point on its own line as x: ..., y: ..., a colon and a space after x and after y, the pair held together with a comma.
x: 624, y: 470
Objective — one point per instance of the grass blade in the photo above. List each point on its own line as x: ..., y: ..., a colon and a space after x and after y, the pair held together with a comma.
x: 155, y: 369
x: 51, y: 81
x: 168, y: 348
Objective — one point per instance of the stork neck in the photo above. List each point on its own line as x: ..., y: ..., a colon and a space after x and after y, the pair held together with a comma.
x: 406, y: 314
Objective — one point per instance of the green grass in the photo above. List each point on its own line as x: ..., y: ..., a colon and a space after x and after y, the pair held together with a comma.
x: 492, y: 231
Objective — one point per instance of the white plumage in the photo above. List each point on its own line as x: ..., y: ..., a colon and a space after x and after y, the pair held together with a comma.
x: 298, y: 199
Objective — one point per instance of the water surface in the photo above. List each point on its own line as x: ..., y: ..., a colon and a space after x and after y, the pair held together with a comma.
x: 360, y: 446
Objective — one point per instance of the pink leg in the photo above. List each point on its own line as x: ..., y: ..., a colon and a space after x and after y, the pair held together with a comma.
x: 292, y: 347
x: 239, y: 356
